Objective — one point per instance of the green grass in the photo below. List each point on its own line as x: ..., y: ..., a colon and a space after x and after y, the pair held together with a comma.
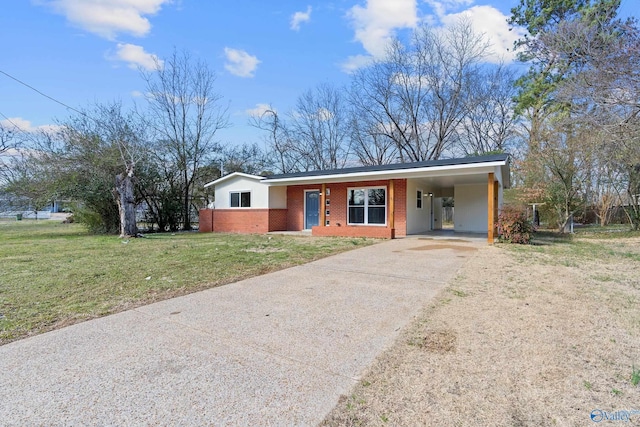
x: 55, y: 274
x: 614, y: 231
x: 635, y: 376
x: 587, y: 244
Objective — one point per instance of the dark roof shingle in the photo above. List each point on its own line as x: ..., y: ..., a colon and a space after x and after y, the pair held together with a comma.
x: 395, y: 166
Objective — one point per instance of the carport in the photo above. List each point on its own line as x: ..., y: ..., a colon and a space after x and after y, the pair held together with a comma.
x: 477, y: 194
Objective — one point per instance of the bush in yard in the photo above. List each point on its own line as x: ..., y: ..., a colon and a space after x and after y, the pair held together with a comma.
x: 514, y: 226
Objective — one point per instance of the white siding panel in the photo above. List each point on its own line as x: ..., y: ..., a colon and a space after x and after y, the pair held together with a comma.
x: 278, y: 197
x: 259, y: 192
x: 417, y: 219
x: 470, y: 212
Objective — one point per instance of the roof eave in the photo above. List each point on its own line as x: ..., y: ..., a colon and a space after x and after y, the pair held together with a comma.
x: 233, y: 175
x: 391, y: 173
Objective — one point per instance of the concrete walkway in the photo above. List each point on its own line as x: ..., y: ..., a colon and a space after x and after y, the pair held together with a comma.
x: 278, y: 349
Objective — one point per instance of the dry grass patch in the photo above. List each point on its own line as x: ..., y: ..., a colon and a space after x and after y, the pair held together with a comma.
x: 524, y: 336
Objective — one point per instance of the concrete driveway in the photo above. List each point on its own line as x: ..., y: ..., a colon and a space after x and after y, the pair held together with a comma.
x: 278, y: 349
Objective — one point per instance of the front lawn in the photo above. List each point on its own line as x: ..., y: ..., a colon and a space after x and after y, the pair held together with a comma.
x: 526, y: 335
x: 55, y: 274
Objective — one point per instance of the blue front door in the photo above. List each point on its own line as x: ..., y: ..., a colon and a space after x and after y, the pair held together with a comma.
x: 311, y: 209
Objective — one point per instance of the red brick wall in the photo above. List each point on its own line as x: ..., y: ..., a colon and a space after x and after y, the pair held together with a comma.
x: 241, y: 220
x: 278, y: 219
x: 338, y: 211
x: 205, y: 220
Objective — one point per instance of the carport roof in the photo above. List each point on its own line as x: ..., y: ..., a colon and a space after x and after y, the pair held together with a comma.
x: 399, y: 169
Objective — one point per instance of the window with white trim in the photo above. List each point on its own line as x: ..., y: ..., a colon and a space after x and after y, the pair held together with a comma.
x: 419, y: 199
x: 240, y: 199
x: 367, y: 206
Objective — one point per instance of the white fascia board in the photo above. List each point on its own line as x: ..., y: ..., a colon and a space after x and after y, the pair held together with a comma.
x: 233, y: 175
x: 448, y: 170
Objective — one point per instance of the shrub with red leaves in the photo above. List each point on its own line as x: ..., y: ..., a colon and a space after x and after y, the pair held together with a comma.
x: 514, y: 226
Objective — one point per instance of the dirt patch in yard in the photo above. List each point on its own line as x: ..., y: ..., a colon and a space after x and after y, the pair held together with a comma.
x: 442, y: 341
x: 523, y: 336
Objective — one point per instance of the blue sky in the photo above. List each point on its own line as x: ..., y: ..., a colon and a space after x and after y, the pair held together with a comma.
x: 263, y: 52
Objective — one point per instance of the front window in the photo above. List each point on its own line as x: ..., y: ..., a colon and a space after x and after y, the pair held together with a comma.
x: 367, y: 206
x: 240, y: 199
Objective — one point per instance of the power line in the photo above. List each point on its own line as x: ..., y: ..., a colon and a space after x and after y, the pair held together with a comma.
x: 47, y: 96
x: 100, y: 123
x: 82, y: 113
x: 18, y: 128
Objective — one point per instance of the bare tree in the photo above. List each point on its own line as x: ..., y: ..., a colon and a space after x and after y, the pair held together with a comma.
x: 378, y: 115
x: 388, y: 96
x: 604, y: 94
x: 453, y: 66
x: 247, y: 158
x: 370, y: 145
x: 489, y: 123
x: 91, y: 158
x: 186, y: 112
x: 566, y: 158
x: 315, y: 135
x: 8, y: 138
x: 283, y: 151
x: 320, y: 127
x: 11, y: 139
x: 25, y: 183
x: 105, y: 138
x: 417, y: 95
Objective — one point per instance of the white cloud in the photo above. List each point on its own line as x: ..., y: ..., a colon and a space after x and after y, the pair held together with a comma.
x: 17, y: 122
x: 240, y: 63
x: 442, y: 7
x: 137, y: 94
x: 493, y: 24
x: 26, y: 126
x: 107, y: 18
x: 376, y: 23
x: 355, y: 62
x: 136, y: 57
x: 300, y: 17
x: 324, y: 115
x: 259, y: 110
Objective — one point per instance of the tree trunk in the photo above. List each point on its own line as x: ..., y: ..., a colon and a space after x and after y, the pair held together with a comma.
x: 186, y: 220
x: 126, y: 203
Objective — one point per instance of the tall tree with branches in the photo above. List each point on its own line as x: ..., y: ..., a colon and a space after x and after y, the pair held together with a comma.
x: 320, y: 126
x: 282, y: 152
x: 106, y: 142
x: 562, y: 37
x: 186, y: 112
x: 417, y: 95
x: 605, y: 96
x: 489, y: 123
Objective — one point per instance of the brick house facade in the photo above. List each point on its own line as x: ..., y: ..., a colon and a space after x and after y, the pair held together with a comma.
x: 385, y: 201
